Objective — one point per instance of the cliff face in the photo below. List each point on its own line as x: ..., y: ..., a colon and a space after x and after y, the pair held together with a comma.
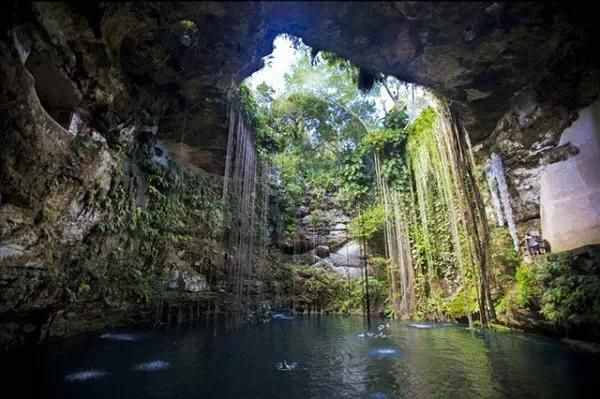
x: 95, y: 219
x: 570, y: 187
x: 87, y: 92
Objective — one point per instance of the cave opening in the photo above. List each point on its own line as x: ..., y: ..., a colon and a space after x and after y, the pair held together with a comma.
x: 320, y: 124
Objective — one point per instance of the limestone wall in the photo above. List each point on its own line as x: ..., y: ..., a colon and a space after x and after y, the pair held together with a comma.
x: 570, y: 189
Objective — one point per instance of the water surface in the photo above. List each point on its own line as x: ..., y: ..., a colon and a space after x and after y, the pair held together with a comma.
x: 331, y: 360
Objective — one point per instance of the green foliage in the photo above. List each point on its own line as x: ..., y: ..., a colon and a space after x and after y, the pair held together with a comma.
x: 188, y: 25
x: 312, y: 131
x: 422, y: 128
x: 368, y: 223
x: 396, y: 118
x: 570, y: 287
x: 462, y: 304
x: 354, y: 177
x: 380, y: 267
x: 322, y: 135
x: 249, y: 106
x: 527, y: 286
x: 124, y: 259
x: 318, y: 289
x: 377, y: 140
x: 564, y: 288
x: 504, y: 260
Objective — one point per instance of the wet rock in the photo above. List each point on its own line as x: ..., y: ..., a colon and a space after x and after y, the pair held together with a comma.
x: 322, y: 251
x: 10, y: 250
x: 324, y: 264
x: 302, y: 211
x: 560, y: 153
x: 297, y: 244
x: 188, y: 281
x: 160, y: 156
x: 526, y: 138
x: 186, y: 40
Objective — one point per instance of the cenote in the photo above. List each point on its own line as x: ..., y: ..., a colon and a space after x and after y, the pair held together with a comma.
x: 223, y: 359
x: 299, y: 200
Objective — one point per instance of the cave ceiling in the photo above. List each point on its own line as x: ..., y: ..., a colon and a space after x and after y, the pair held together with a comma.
x: 180, y: 59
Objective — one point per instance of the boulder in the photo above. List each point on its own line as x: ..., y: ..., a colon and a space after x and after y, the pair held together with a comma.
x: 324, y: 264
x: 302, y: 211
x: 322, y: 251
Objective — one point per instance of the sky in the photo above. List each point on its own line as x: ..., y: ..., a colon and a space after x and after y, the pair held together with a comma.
x: 279, y: 62
x: 276, y: 65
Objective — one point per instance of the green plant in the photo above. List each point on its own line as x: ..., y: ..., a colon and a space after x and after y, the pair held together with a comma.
x: 368, y: 223
x: 528, y: 290
x: 571, y: 287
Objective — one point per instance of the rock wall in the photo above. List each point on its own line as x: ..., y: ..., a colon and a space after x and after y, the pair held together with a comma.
x: 93, y: 212
x: 526, y: 139
x: 570, y: 188
x: 552, y: 181
x: 321, y: 226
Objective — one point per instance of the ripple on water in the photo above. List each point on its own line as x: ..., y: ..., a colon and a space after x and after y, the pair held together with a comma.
x: 369, y: 334
x: 154, y: 365
x: 287, y: 366
x: 384, y: 352
x: 85, y: 375
x: 445, y: 362
x: 420, y: 325
x: 281, y: 316
x: 120, y: 337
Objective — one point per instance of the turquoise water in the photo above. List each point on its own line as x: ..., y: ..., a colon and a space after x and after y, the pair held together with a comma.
x: 330, y: 358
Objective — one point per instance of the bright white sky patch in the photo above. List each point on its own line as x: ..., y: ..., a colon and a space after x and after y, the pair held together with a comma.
x: 277, y: 64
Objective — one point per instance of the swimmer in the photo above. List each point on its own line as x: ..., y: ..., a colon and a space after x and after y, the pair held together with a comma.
x: 285, y: 366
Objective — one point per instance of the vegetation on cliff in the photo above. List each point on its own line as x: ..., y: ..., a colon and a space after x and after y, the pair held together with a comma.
x: 410, y: 182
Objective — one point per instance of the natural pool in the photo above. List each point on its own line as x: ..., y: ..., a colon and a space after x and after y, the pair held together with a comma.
x: 330, y: 358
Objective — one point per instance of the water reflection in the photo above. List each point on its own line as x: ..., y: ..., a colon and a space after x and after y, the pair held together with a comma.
x: 154, y: 365
x: 226, y: 359
x: 85, y: 375
x: 120, y: 337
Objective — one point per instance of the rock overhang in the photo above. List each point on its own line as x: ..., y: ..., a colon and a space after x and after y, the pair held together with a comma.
x: 187, y: 56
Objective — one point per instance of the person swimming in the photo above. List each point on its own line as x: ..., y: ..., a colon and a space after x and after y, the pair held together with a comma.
x: 285, y: 366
